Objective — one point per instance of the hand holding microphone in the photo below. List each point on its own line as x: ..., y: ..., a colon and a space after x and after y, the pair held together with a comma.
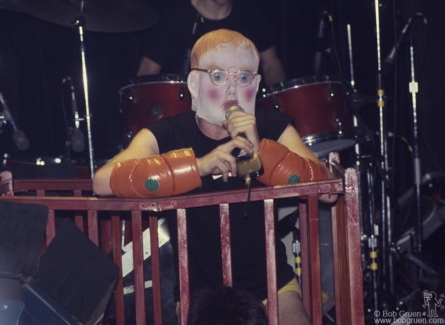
x: 248, y: 164
x: 237, y: 152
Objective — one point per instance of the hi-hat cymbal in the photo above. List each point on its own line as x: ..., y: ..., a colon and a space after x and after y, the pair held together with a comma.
x: 109, y: 16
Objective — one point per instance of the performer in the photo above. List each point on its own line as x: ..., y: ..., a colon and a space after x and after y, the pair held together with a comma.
x: 225, y: 306
x: 166, y: 47
x: 182, y: 153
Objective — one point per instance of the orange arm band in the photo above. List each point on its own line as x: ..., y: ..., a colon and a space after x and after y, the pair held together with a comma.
x: 172, y: 173
x: 282, y: 166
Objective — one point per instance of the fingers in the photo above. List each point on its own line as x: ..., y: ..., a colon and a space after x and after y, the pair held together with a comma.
x: 244, y: 125
x: 218, y: 162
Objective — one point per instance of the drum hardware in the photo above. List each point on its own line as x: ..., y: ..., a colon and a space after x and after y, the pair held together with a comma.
x: 129, y: 95
x: 331, y: 92
x: 155, y: 113
x: 80, y: 22
x: 381, y: 221
x: 40, y: 167
x: 117, y: 16
x: 102, y: 16
x: 275, y: 104
x: 433, y: 210
x: 290, y: 224
x: 181, y: 93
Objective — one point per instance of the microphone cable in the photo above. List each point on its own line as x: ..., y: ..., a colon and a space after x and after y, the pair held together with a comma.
x: 248, y: 181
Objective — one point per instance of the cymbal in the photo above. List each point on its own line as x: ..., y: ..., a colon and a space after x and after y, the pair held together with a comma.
x: 7, y: 5
x: 109, y: 16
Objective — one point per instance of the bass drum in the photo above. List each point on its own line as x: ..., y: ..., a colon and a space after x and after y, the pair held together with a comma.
x: 318, y: 110
x: 148, y: 99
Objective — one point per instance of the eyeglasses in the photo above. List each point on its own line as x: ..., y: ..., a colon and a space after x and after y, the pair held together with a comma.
x: 219, y: 77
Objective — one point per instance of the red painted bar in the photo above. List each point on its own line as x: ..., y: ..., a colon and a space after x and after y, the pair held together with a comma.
x: 117, y: 258
x: 183, y: 262
x: 314, y: 261
x: 50, y: 227
x: 138, y: 267
x: 305, y: 257
x: 272, y: 298
x: 226, y: 248
x: 93, y: 229
x: 354, y: 242
x: 155, y: 271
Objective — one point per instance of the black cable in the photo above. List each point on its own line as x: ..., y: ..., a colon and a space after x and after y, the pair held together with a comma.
x: 246, y: 206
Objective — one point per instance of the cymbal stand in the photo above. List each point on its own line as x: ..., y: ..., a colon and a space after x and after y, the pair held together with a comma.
x: 386, y: 229
x: 367, y: 168
x: 413, y: 89
x: 80, y: 23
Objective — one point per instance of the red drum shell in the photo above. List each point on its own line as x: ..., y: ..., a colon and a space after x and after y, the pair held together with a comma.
x: 318, y: 110
x: 149, y: 99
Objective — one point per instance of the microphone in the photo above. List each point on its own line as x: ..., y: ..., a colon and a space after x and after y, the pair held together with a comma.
x: 248, y: 165
x: 19, y: 137
x: 389, y: 60
x: 77, y: 138
x: 238, y: 153
x: 318, y: 56
x: 188, y: 51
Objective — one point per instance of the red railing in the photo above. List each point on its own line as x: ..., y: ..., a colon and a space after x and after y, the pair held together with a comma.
x: 106, y: 233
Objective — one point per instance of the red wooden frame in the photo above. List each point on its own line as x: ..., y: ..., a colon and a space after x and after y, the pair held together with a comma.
x: 107, y: 235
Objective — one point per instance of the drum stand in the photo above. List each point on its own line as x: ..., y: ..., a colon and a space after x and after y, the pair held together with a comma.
x: 387, y: 272
x: 80, y: 23
x: 364, y: 165
x: 413, y: 88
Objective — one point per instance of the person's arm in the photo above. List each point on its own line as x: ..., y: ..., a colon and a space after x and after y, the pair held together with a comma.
x: 292, y: 140
x: 174, y: 172
x: 273, y: 71
x: 143, y: 145
x: 148, y: 66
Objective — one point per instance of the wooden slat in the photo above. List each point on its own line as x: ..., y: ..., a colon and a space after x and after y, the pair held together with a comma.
x: 226, y: 248
x: 354, y: 245
x: 184, y: 289
x: 138, y: 267
x: 155, y: 269
x: 314, y: 261
x: 117, y: 258
x: 305, y: 257
x: 271, y: 266
x: 93, y: 228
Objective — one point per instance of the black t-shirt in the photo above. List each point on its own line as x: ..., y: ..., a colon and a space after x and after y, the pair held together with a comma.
x: 247, y: 233
x: 168, y: 41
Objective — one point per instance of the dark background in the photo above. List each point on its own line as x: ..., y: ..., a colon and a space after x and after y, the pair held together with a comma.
x: 36, y: 55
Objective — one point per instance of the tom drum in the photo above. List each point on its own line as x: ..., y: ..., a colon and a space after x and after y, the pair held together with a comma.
x: 318, y: 110
x: 150, y: 98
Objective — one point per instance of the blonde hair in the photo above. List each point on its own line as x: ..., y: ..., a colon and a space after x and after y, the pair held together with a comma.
x: 217, y: 39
